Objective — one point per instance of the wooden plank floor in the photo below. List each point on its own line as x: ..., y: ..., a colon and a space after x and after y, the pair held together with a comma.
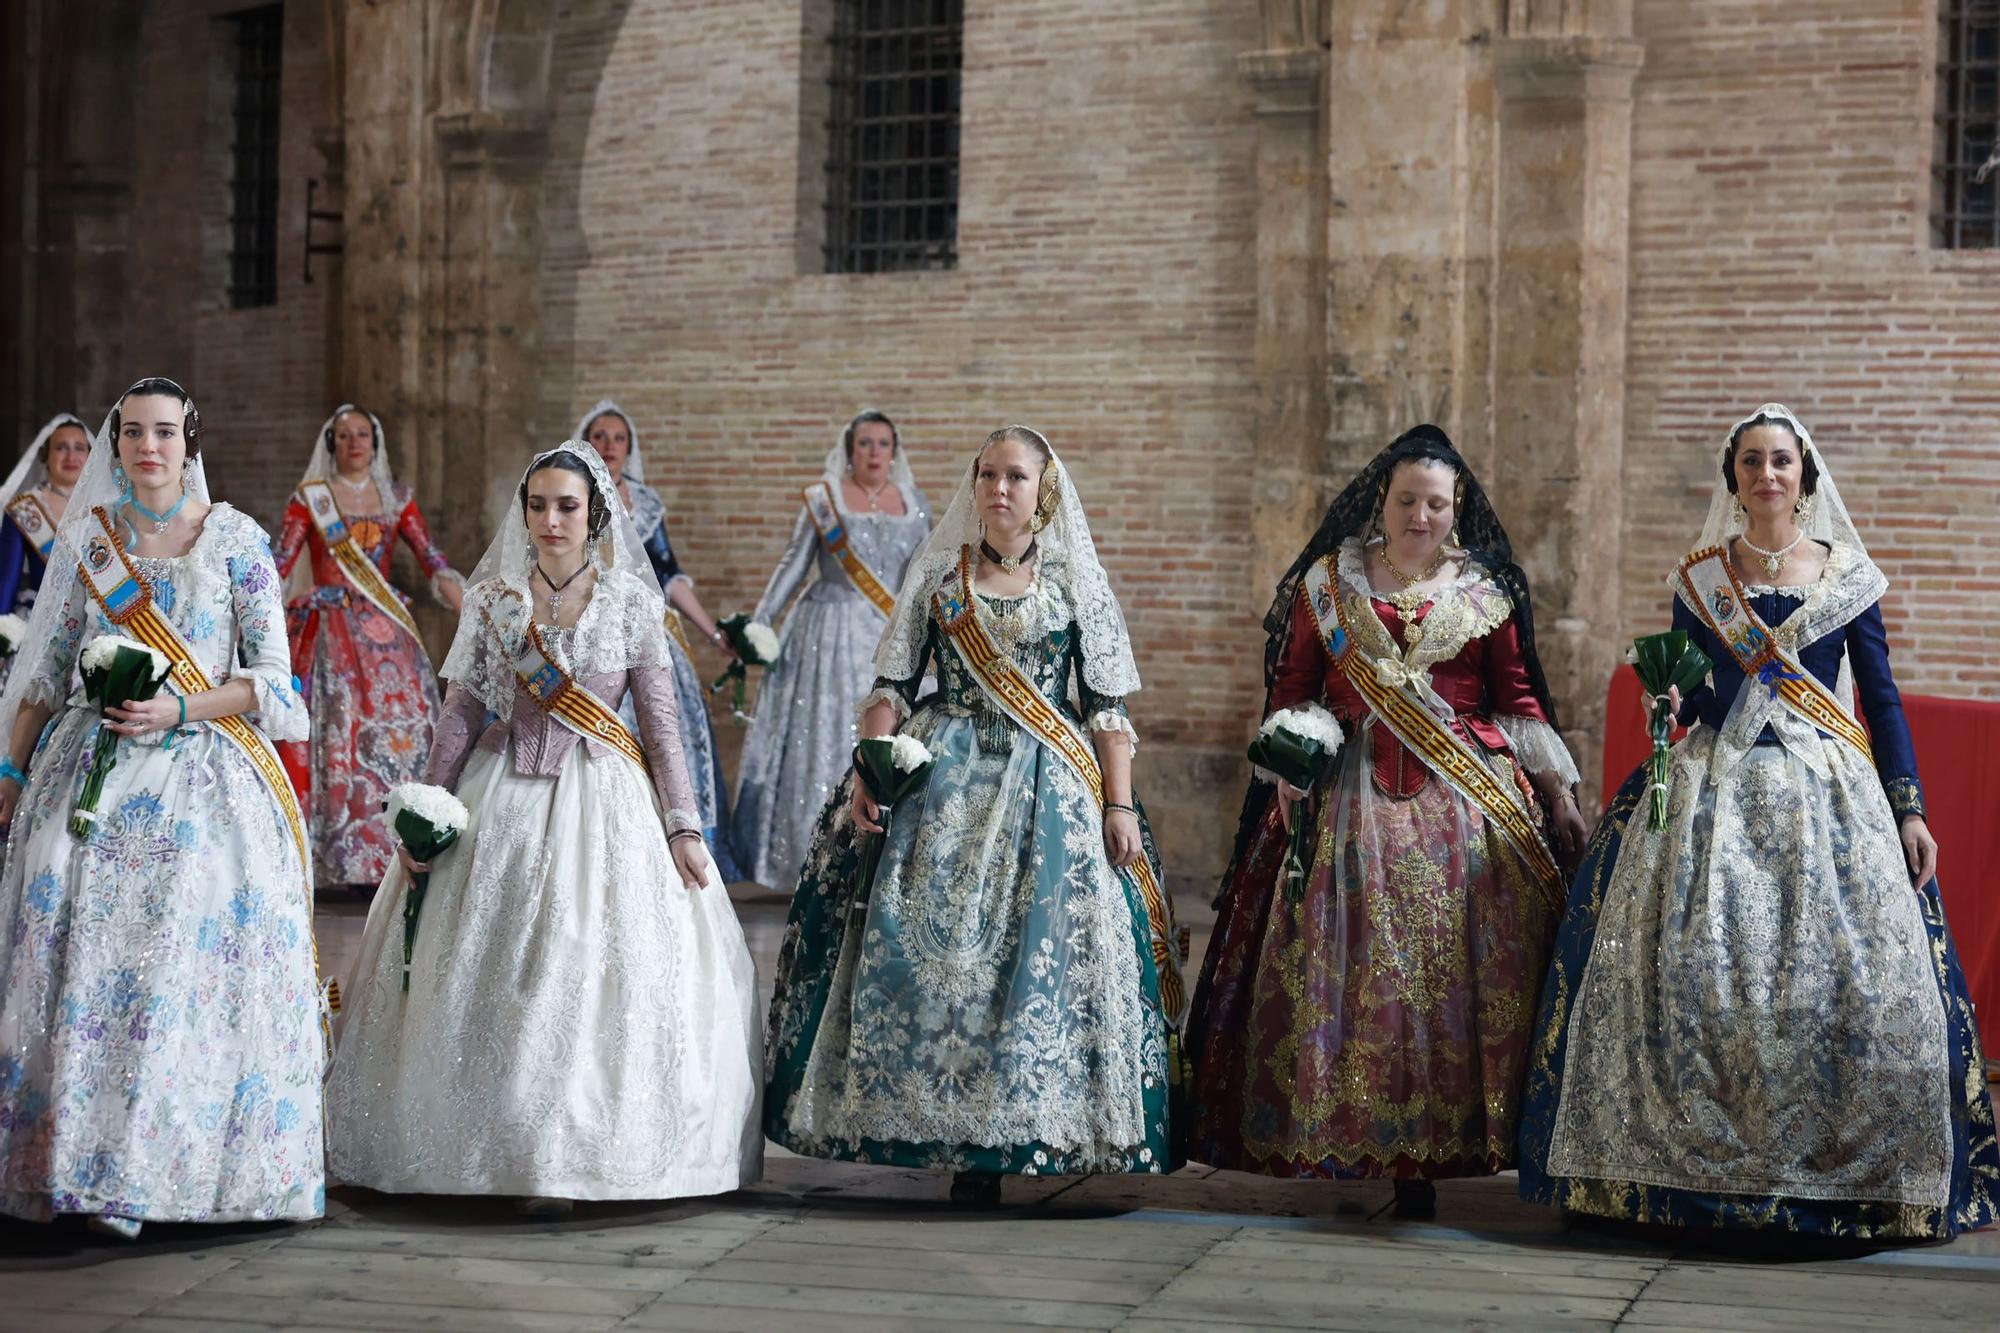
x: 819, y: 1245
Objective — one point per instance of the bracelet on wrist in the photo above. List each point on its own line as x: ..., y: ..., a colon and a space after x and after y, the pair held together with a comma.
x: 1109, y: 806
x: 10, y: 769
x: 683, y: 833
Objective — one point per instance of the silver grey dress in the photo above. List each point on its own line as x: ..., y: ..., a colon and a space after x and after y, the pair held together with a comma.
x: 802, y: 738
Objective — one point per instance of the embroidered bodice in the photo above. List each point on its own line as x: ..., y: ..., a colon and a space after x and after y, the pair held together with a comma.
x: 617, y: 645
x: 884, y: 543
x: 222, y: 596
x: 1462, y: 644
x: 374, y: 534
x: 1821, y: 626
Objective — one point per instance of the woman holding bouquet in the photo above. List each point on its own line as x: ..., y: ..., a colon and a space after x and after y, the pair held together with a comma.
x: 577, y: 1018
x: 357, y: 652
x: 1754, y: 1016
x: 1002, y: 997
x: 607, y: 429
x: 34, y: 498
x: 1370, y: 1015
x: 861, y: 523
x: 161, y: 1042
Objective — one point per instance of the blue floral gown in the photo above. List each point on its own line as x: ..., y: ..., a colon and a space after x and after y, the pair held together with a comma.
x: 1751, y: 1019
x: 160, y: 1038
x: 992, y: 1004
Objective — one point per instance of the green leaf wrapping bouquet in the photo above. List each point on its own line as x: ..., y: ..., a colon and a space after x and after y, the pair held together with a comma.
x: 893, y: 768
x: 427, y: 820
x: 755, y: 644
x: 1300, y: 746
x: 1664, y: 662
x: 116, y: 671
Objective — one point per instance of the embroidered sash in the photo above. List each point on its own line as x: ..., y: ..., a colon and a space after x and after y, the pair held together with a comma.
x: 32, y: 517
x: 556, y: 692
x: 678, y: 632
x: 833, y: 533
x: 1397, y: 706
x: 362, y: 573
x: 127, y: 602
x: 1716, y: 595
x: 958, y: 617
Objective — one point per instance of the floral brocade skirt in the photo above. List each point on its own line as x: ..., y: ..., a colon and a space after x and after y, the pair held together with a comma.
x: 1373, y: 1018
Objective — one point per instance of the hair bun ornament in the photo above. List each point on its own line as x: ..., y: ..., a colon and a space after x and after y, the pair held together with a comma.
x: 1047, y: 497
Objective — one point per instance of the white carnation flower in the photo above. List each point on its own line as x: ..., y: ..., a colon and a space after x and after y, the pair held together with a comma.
x: 908, y: 753
x: 1310, y: 723
x: 103, y: 650
x: 1632, y: 656
x: 763, y: 641
x: 13, y: 629
x: 434, y: 805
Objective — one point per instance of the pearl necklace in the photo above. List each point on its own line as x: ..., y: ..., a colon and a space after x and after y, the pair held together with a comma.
x: 1774, y: 561
x: 874, y: 496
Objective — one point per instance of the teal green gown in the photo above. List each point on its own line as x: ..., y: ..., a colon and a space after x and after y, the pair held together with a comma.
x: 992, y: 1004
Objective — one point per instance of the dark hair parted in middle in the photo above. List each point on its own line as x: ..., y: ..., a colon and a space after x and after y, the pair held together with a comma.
x: 356, y: 409
x: 165, y: 388
x: 1808, y: 465
x: 862, y: 419
x: 600, y: 504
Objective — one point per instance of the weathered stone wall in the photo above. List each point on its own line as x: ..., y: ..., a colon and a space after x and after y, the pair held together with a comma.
x: 1779, y: 251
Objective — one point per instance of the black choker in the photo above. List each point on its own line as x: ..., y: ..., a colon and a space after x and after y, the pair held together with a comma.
x: 1010, y: 563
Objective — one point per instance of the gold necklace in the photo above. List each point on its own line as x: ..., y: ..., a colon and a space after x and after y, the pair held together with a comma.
x: 1407, y: 602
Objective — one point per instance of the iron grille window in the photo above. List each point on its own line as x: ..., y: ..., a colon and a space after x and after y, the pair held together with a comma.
x: 1965, y: 176
x: 253, y: 185
x: 892, y: 137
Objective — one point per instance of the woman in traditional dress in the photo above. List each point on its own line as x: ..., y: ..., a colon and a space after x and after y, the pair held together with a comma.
x: 1002, y: 999
x: 578, y: 1016
x: 34, y: 498
x: 355, y: 649
x: 160, y: 1018
x: 1754, y: 1016
x: 861, y: 523
x: 1373, y: 1019
x: 608, y: 429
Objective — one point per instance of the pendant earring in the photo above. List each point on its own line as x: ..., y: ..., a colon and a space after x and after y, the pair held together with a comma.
x: 1803, y: 510
x: 124, y: 482
x: 1458, y: 543
x: 1736, y: 512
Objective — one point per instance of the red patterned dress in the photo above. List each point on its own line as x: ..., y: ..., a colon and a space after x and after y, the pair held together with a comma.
x: 1375, y: 1020
x: 370, y: 687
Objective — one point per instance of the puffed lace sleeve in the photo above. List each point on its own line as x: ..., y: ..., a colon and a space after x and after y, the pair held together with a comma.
x: 793, y: 567
x: 1101, y: 712
x: 261, y: 646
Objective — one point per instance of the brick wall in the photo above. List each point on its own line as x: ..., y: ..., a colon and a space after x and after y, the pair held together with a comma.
x: 1105, y: 294
x: 1780, y: 251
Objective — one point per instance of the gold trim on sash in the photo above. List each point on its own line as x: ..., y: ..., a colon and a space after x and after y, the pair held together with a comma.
x: 678, y: 632
x: 556, y: 692
x: 34, y: 520
x: 958, y: 617
x: 362, y: 573
x: 1437, y: 745
x: 128, y: 603
x: 832, y: 527
x: 1717, y: 596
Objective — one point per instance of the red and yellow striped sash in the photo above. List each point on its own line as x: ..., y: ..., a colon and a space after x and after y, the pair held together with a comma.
x: 1716, y: 595
x: 958, y: 617
x: 833, y: 533
x: 127, y: 602
x: 1427, y: 737
x: 362, y: 573
x: 556, y: 692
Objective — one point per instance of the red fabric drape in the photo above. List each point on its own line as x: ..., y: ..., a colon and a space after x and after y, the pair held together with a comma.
x: 1958, y: 753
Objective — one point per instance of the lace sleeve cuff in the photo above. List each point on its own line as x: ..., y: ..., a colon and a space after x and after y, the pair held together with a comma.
x: 1110, y: 719
x: 1906, y: 797
x: 446, y: 578
x: 1537, y: 746
x: 682, y: 821
x: 885, y: 694
x: 668, y: 587
x: 281, y: 713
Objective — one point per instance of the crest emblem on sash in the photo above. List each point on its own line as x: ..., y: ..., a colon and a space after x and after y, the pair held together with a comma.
x: 1722, y: 604
x: 97, y: 555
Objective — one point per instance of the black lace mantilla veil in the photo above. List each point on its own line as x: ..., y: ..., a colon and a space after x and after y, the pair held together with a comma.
x: 1350, y: 515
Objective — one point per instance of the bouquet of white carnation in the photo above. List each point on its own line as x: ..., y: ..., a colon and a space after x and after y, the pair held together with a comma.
x: 13, y: 629
x: 427, y: 820
x: 1299, y: 745
x: 755, y: 644
x: 893, y: 768
x: 116, y: 671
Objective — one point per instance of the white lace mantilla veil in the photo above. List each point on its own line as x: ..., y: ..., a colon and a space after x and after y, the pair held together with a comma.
x: 625, y: 576
x: 635, y: 462
x: 30, y: 471
x: 1829, y: 523
x: 97, y: 486
x: 319, y: 467
x: 1068, y: 557
x: 834, y: 470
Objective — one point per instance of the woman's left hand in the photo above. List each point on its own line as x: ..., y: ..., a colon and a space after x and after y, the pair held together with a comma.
x: 1920, y: 851
x: 140, y: 718
x: 692, y: 860
x: 1121, y: 838
x: 1572, y: 834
